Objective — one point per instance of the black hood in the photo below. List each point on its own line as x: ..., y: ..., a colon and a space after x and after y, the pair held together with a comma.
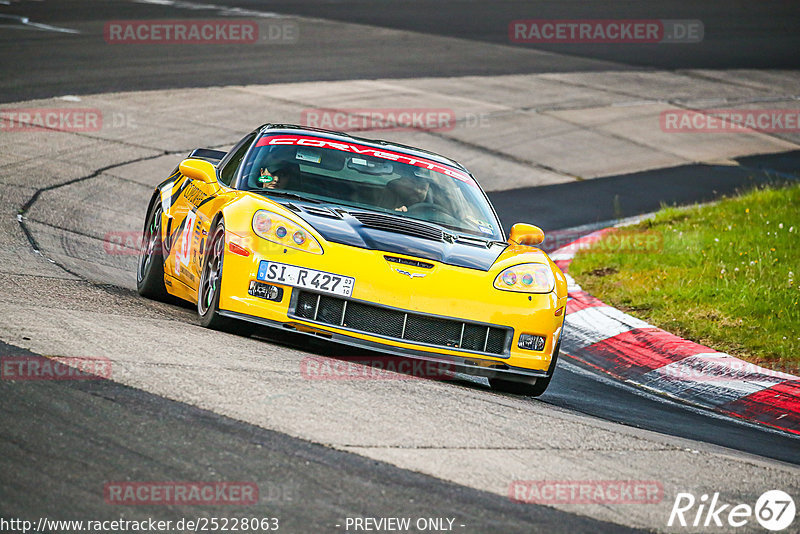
x: 401, y: 235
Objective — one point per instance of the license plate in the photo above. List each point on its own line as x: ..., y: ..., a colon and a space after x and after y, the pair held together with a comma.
x: 292, y: 275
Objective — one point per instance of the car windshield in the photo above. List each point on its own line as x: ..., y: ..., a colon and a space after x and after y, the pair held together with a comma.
x: 371, y: 178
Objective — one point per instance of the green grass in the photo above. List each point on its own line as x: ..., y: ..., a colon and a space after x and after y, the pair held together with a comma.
x: 728, y: 275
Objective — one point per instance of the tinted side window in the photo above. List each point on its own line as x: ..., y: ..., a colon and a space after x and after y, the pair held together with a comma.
x: 228, y: 173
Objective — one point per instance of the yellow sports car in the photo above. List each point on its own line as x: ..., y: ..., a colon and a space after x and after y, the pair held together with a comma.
x: 363, y: 242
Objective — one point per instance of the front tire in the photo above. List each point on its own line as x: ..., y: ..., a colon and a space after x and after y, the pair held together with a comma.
x: 150, y: 270
x: 209, y: 290
x: 529, y: 389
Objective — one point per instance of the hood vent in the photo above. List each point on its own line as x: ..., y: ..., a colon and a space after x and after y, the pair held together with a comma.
x: 321, y: 212
x: 473, y: 241
x: 399, y: 225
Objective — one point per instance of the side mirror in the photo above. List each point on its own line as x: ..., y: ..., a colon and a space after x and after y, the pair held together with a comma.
x: 198, y: 169
x: 526, y: 234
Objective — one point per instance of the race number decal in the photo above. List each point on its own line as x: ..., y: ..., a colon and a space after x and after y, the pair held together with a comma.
x: 184, y: 252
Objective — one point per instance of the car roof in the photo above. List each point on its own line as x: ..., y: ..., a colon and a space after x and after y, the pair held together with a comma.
x: 375, y: 143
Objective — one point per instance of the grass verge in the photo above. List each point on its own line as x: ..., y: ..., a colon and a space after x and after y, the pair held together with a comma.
x: 722, y: 275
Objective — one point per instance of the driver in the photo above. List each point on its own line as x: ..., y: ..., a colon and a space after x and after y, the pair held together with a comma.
x: 281, y: 178
x: 406, y: 191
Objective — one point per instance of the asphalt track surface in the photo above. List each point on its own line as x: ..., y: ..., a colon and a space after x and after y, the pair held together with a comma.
x: 309, y: 487
x: 187, y: 442
x: 738, y: 34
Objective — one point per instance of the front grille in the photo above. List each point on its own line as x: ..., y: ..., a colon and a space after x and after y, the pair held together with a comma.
x: 330, y: 311
x: 397, y: 324
x: 306, y: 305
x: 372, y: 319
x: 401, y: 225
x: 474, y: 337
x: 442, y: 332
x: 496, y: 341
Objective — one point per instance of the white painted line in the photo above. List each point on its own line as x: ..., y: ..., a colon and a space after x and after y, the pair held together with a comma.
x: 664, y: 398
x: 560, y: 256
x: 590, y: 325
x: 572, y: 285
x: 709, y: 394
x: 715, y: 366
x: 27, y: 24
x: 222, y: 10
x: 712, y: 378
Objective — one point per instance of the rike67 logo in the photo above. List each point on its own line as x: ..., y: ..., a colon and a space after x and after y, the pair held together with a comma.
x: 774, y: 510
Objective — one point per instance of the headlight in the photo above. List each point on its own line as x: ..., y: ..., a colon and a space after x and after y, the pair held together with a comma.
x: 526, y: 278
x: 282, y: 231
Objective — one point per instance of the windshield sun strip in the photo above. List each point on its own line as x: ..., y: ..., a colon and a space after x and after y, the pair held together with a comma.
x: 381, y: 153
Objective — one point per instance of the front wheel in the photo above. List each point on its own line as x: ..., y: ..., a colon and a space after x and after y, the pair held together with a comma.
x: 150, y: 270
x: 529, y: 389
x: 211, y: 280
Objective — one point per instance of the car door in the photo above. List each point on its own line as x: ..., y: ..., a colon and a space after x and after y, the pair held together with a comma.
x: 188, y: 223
x: 193, y: 212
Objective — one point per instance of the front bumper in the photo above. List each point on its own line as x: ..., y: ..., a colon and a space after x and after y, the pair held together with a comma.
x: 455, y: 363
x: 446, y: 295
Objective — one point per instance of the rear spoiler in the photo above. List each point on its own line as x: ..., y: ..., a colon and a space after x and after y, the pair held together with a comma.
x: 208, y: 154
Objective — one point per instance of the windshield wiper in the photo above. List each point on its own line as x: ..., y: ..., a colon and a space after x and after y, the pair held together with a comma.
x: 287, y: 194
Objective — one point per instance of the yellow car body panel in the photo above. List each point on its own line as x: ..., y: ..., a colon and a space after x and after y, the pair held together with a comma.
x: 446, y: 291
x: 192, y: 207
